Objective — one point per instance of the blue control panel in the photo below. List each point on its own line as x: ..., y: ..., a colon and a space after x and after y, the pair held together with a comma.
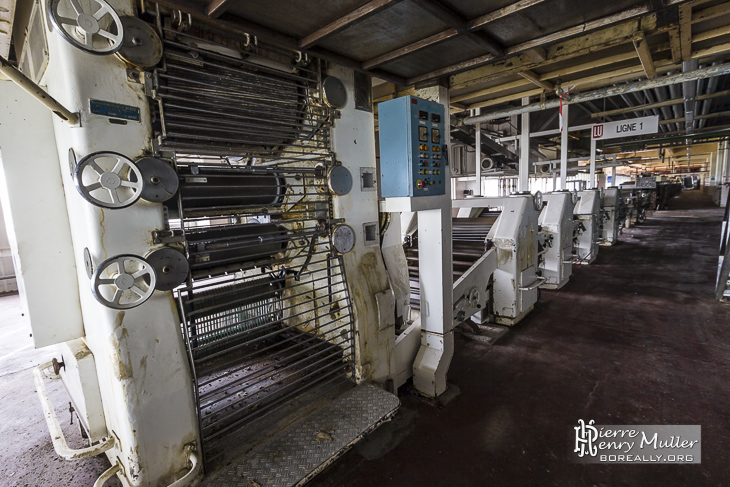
x: 413, y: 158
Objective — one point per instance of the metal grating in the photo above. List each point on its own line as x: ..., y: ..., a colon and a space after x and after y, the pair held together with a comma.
x: 215, y: 99
x: 266, y: 314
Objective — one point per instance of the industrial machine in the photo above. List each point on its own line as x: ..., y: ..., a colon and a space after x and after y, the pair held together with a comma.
x: 495, y: 266
x: 665, y: 191
x: 220, y: 292
x: 611, y: 203
x: 640, y: 197
x: 513, y: 241
x: 588, y: 217
x: 558, y: 228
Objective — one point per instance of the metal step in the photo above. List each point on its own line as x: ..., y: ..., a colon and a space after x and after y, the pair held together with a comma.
x: 306, y: 448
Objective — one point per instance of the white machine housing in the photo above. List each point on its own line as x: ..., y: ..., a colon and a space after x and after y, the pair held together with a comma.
x: 611, y: 209
x: 515, y: 237
x: 556, y: 222
x: 588, y: 216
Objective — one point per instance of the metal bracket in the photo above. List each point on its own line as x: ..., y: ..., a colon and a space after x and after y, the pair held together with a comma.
x: 167, y: 236
x: 466, y: 301
x: 54, y: 427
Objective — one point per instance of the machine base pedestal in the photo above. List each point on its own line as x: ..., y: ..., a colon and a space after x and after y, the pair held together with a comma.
x: 308, y: 447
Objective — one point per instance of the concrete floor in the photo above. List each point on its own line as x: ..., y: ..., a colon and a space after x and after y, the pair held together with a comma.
x: 634, y: 338
x: 27, y: 458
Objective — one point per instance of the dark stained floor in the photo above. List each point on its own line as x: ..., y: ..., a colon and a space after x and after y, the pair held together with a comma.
x: 634, y: 338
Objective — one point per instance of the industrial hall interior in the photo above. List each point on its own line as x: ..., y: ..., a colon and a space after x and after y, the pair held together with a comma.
x: 275, y: 243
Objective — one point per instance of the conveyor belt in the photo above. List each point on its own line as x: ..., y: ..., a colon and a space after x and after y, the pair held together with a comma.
x: 469, y: 237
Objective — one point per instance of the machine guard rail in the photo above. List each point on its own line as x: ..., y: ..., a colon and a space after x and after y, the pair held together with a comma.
x: 54, y: 427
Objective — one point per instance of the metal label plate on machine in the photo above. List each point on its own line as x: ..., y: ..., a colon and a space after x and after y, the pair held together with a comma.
x: 413, y: 161
x: 114, y: 110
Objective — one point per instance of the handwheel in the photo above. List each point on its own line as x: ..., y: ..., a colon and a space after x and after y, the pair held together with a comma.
x: 109, y: 180
x: 80, y: 28
x: 123, y: 282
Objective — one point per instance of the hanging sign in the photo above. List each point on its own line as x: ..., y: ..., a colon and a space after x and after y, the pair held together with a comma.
x: 626, y: 128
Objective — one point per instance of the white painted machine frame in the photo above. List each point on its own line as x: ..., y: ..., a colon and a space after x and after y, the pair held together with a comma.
x: 515, y: 237
x: 556, y: 221
x: 611, y: 208
x: 588, y: 215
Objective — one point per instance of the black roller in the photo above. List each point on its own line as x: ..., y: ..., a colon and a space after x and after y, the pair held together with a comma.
x: 468, y: 237
x: 213, y: 187
x: 224, y: 246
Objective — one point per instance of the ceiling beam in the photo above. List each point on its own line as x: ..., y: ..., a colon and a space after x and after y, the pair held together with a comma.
x: 590, y: 82
x: 455, y: 21
x: 534, y: 78
x: 580, y: 29
x: 603, y: 38
x: 587, y: 44
x: 483, y: 20
x: 674, y: 45
x: 537, y: 55
x: 358, y: 15
x: 685, y: 31
x: 644, y: 53
x: 698, y: 117
x: 410, y: 48
x: 708, y: 72
x: 711, y: 12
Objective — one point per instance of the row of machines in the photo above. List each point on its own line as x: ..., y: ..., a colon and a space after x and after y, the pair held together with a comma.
x: 505, y: 248
x: 644, y: 195
x: 222, y: 294
x: 225, y: 279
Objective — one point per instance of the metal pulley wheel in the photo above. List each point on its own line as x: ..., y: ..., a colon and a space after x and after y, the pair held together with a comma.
x: 537, y: 200
x: 82, y: 27
x: 171, y: 268
x: 487, y: 163
x: 141, y: 46
x: 108, y: 180
x: 123, y: 282
x: 160, y: 180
